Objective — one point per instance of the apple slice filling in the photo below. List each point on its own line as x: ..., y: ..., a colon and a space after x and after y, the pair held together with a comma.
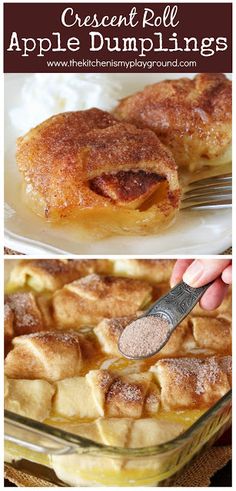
x: 127, y: 188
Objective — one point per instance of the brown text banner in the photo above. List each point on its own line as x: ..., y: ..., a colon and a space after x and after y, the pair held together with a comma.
x: 117, y: 37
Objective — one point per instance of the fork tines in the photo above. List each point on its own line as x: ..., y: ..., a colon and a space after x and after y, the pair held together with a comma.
x: 210, y: 193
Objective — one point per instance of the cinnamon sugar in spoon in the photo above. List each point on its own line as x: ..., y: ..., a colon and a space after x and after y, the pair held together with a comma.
x: 147, y: 335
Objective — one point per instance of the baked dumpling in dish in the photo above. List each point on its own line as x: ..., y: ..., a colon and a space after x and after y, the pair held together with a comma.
x: 87, y: 301
x: 192, y: 383
x: 106, y: 176
x: 26, y: 316
x: 213, y: 334
x: 48, y: 355
x: 102, y: 392
x: 51, y: 274
x: 193, y: 118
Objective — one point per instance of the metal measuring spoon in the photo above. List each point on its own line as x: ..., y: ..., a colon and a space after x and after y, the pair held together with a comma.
x: 147, y: 335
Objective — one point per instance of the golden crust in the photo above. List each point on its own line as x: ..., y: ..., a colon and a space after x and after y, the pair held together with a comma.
x: 213, y: 334
x: 89, y: 266
x: 44, y: 303
x: 49, y: 355
x: 152, y: 270
x: 60, y: 158
x: 88, y: 300
x: 51, y: 274
x: 192, y: 383
x: 27, y: 317
x: 191, y: 117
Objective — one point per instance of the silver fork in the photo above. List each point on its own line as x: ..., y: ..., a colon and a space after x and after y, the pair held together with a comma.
x: 211, y: 193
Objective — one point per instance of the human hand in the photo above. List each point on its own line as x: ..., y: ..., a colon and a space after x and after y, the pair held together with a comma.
x: 199, y: 272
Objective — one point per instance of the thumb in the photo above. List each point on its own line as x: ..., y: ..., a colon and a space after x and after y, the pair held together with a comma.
x: 202, y: 271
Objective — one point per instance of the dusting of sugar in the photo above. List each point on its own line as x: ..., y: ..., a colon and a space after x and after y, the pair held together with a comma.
x: 105, y: 379
x: 205, y: 371
x: 7, y: 312
x: 52, y: 266
x: 152, y: 398
x: 27, y: 315
x: 226, y: 364
x: 127, y: 392
x: 67, y: 338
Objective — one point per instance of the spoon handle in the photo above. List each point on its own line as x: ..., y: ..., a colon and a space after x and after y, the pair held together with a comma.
x: 177, y: 304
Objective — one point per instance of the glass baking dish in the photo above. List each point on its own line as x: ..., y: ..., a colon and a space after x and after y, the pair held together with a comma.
x: 68, y: 459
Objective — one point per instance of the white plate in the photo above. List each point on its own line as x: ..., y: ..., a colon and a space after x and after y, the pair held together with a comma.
x: 192, y: 233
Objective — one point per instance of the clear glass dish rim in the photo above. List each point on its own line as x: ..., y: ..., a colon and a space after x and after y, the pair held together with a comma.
x: 92, y: 447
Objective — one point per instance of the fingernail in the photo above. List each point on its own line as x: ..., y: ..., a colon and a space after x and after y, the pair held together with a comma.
x: 174, y: 282
x: 193, y: 273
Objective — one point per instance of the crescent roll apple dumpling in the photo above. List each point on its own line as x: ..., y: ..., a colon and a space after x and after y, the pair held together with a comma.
x: 193, y: 118
x: 63, y: 367
x: 106, y: 176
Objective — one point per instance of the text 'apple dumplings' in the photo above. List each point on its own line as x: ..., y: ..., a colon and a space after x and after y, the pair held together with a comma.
x: 106, y: 176
x: 193, y: 118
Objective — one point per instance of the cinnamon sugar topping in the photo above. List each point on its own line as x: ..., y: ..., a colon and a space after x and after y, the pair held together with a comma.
x: 144, y: 336
x: 27, y: 315
x: 205, y: 372
x: 125, y: 391
x: 67, y: 338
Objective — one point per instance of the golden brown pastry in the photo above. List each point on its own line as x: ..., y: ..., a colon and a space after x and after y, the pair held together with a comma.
x: 48, y: 355
x: 51, y: 274
x: 213, y: 334
x: 152, y: 270
x: 89, y: 266
x: 31, y: 398
x: 102, y: 392
x: 192, y: 383
x: 27, y: 317
x: 192, y: 118
x: 88, y: 300
x: 44, y: 302
x: 110, y: 177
